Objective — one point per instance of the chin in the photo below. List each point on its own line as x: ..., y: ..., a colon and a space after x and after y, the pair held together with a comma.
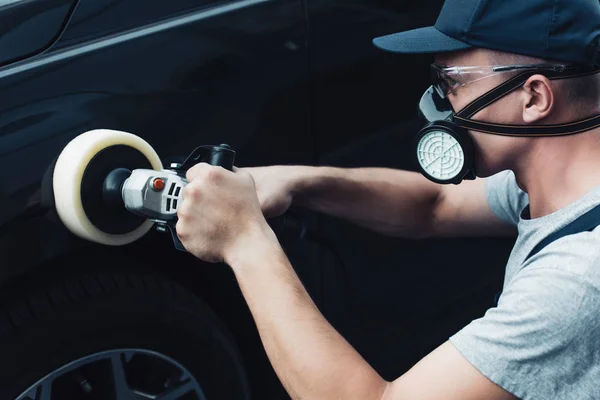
x: 485, y: 174
x: 485, y: 169
x: 489, y: 154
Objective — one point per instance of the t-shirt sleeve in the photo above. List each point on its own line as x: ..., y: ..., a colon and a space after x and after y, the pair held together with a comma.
x: 541, y: 341
x: 505, y: 197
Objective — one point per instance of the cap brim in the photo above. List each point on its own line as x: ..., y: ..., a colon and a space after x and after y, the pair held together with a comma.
x: 420, y: 41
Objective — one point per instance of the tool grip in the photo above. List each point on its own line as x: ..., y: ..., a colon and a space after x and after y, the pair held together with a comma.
x: 222, y: 156
x: 173, y: 231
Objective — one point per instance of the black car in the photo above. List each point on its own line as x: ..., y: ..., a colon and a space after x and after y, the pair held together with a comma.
x: 282, y: 82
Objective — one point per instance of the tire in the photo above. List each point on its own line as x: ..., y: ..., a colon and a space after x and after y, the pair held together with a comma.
x: 46, y: 329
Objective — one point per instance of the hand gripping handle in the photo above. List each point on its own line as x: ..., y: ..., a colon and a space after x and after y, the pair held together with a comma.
x: 222, y: 156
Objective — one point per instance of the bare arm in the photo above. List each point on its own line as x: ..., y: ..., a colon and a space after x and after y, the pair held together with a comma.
x: 313, y: 361
x: 390, y: 202
x: 220, y: 219
x: 463, y: 210
x: 395, y: 202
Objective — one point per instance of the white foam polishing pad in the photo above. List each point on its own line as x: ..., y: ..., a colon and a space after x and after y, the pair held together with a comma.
x: 77, y: 200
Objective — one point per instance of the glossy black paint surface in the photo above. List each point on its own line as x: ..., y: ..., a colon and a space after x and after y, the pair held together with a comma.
x: 235, y: 74
x: 282, y: 82
x: 29, y: 27
x: 395, y: 300
x: 175, y: 86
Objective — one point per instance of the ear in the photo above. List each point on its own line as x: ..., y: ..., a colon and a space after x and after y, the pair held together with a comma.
x: 539, y: 99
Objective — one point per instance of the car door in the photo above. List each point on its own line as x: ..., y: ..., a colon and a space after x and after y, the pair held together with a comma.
x: 179, y: 74
x: 395, y: 300
x: 30, y: 27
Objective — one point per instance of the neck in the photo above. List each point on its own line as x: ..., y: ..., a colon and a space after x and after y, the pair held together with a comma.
x: 559, y: 171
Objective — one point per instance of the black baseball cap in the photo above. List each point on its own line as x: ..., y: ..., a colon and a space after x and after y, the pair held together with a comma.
x: 559, y: 30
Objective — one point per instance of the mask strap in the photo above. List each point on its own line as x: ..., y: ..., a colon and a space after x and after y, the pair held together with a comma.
x: 463, y: 118
x: 530, y: 130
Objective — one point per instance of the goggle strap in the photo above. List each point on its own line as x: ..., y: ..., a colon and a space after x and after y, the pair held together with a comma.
x: 464, y: 120
x: 516, y: 82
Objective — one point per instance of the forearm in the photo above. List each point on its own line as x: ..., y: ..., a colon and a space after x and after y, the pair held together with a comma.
x: 392, y: 202
x: 310, y: 357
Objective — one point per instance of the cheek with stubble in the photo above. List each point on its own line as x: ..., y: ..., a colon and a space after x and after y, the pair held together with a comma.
x: 479, y: 158
x: 494, y: 153
x: 489, y: 155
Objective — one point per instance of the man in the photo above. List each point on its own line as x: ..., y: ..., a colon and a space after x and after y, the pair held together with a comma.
x: 517, y: 88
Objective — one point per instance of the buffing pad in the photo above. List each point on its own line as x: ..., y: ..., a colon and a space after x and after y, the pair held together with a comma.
x: 78, y: 179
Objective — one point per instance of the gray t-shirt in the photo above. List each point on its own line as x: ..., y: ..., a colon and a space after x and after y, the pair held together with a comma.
x: 542, y: 341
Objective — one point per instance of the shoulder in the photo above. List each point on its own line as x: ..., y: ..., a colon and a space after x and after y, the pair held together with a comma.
x: 577, y: 254
x: 546, y: 298
x: 543, y: 331
x: 560, y: 284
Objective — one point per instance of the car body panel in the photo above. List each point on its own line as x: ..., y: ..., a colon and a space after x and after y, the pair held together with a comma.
x: 395, y: 300
x: 30, y: 27
x: 282, y: 82
x: 174, y: 98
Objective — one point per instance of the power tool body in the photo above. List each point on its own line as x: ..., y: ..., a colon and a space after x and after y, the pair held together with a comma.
x: 110, y: 186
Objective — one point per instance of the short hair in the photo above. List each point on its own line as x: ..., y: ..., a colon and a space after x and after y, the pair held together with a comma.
x: 582, y: 93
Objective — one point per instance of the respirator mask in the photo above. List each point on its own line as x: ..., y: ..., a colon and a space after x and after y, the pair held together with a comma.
x: 445, y: 152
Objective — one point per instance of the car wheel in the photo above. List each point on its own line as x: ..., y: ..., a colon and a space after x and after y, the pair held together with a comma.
x: 116, y: 336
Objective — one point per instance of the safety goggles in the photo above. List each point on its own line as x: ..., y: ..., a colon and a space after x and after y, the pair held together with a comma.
x: 448, y: 80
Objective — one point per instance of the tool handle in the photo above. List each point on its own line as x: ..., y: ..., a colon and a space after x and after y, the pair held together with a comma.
x: 222, y: 156
x: 171, y: 228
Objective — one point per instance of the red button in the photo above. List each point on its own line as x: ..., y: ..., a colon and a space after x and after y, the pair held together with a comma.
x: 158, y: 184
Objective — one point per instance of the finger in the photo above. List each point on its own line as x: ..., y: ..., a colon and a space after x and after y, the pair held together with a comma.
x: 183, y: 211
x: 247, y: 177
x: 191, y: 191
x: 241, y: 172
x: 196, y: 171
x: 180, y: 230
